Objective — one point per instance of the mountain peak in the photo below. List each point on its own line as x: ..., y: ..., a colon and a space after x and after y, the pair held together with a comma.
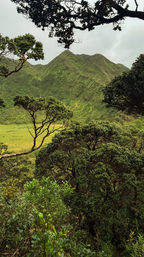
x: 76, y: 80
x: 66, y: 53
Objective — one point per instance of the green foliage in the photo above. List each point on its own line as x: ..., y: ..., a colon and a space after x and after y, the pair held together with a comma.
x: 4, y: 69
x: 3, y: 148
x: 89, y: 137
x: 106, y: 172
x: 55, y: 111
x: 126, y: 92
x: 74, y: 79
x: 15, y: 170
x: 35, y: 222
x: 7, y: 46
x: 27, y: 46
x: 24, y: 47
x: 106, y: 250
x: 135, y: 247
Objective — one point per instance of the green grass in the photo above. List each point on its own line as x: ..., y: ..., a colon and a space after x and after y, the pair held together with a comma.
x: 17, y: 137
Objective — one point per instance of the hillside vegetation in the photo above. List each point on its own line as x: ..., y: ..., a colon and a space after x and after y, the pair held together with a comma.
x: 81, y: 194
x: 77, y: 80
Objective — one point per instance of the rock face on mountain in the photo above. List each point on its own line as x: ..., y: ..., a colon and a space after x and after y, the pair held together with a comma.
x: 77, y: 80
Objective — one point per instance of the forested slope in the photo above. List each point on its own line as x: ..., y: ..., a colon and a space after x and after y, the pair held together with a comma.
x: 77, y: 80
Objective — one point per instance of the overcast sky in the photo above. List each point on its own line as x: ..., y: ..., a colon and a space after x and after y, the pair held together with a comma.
x: 120, y: 47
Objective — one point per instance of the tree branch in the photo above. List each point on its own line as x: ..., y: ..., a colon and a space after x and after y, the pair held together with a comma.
x: 136, y: 5
x: 54, y: 110
x: 17, y: 68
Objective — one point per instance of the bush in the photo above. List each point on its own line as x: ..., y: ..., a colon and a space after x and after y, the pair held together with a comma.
x: 135, y: 248
x: 34, y: 223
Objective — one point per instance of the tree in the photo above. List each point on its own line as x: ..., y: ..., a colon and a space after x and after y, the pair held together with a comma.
x: 106, y: 173
x: 62, y: 17
x: 126, y: 92
x: 53, y: 118
x: 24, y: 47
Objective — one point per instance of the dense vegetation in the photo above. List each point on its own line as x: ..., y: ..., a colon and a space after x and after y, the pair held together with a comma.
x: 89, y: 204
x: 85, y: 195
x: 104, y: 165
x: 126, y: 92
x: 77, y: 80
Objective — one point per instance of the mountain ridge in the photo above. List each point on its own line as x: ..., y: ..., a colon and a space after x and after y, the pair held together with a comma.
x: 77, y: 80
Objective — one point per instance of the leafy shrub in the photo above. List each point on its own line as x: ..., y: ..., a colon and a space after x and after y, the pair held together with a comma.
x: 135, y: 248
x: 34, y: 223
x: 106, y: 250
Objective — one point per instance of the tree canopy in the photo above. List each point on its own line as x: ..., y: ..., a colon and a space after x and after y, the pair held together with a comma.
x: 126, y: 92
x: 23, y: 47
x: 105, y: 170
x: 63, y: 17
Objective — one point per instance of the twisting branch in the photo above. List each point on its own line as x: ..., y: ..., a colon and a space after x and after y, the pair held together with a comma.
x: 55, y: 113
x: 17, y: 68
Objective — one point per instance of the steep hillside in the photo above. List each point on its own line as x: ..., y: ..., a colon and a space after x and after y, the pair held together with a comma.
x: 77, y: 80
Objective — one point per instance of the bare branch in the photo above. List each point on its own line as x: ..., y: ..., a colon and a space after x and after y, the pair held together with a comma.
x: 51, y: 107
x: 8, y: 155
x: 136, y: 5
x: 29, y: 130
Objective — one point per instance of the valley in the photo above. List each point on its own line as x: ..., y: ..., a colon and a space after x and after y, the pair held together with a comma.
x: 71, y: 128
x: 82, y: 190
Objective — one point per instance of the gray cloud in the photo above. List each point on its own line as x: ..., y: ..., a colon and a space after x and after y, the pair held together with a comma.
x: 119, y: 47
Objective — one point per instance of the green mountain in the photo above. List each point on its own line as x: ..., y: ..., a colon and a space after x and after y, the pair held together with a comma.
x: 77, y: 80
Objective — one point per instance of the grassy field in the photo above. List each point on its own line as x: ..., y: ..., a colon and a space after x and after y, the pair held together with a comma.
x: 17, y: 137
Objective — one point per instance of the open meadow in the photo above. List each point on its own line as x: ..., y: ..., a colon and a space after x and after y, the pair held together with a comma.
x: 17, y: 137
